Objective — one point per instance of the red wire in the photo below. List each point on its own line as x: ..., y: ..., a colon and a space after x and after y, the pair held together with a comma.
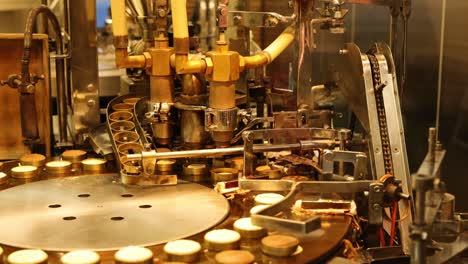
x: 382, y: 238
x: 394, y: 219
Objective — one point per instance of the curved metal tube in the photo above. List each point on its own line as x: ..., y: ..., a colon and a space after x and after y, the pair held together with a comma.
x: 28, y: 104
x: 271, y: 52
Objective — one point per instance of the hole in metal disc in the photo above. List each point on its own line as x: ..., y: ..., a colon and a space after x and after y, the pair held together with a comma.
x: 69, y: 218
x: 55, y: 206
x: 145, y: 206
x: 117, y: 218
x: 84, y: 195
x: 127, y: 195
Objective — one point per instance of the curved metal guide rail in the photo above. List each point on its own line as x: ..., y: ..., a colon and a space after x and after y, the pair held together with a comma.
x: 135, y: 172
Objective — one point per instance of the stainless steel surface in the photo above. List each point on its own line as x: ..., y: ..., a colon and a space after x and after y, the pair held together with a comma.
x: 269, y: 219
x: 193, y: 132
x: 291, y: 135
x: 450, y: 250
x: 358, y: 159
x: 84, y: 69
x: 99, y: 213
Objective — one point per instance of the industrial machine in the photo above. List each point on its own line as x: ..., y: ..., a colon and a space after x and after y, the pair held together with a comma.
x: 203, y: 156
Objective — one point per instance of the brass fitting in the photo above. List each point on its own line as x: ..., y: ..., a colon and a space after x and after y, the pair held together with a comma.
x: 225, y: 66
x: 183, y: 64
x: 123, y: 60
x: 162, y: 56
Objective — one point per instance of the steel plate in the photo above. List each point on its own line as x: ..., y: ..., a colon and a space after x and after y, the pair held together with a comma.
x: 98, y: 213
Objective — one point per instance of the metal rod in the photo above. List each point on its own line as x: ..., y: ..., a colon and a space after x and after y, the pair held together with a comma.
x: 441, y: 65
x: 213, y: 152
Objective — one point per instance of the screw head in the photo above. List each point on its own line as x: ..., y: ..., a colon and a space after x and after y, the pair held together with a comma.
x: 376, y: 189
x: 91, y: 102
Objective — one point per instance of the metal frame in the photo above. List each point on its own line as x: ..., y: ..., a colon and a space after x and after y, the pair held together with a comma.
x: 266, y: 217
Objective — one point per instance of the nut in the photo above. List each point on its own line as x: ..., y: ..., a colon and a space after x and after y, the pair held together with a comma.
x: 225, y: 66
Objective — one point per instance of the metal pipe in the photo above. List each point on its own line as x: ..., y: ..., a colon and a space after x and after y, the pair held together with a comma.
x: 183, y: 64
x: 119, y: 28
x: 271, y: 52
x: 212, y: 152
x: 28, y: 99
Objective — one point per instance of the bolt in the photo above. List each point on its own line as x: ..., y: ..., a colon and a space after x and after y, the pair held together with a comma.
x: 424, y: 235
x: 376, y: 207
x: 237, y: 20
x: 30, y: 88
x: 343, y: 51
x: 90, y: 87
x: 161, y: 12
x: 91, y: 102
x: 328, y: 155
x: 376, y: 189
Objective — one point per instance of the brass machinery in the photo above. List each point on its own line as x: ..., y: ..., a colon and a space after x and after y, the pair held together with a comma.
x: 308, y: 180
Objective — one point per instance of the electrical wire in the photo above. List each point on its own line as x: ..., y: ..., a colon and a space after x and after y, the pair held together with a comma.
x: 403, y: 217
x: 382, y: 237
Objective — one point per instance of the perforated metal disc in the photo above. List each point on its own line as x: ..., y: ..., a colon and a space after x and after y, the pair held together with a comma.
x: 97, y: 213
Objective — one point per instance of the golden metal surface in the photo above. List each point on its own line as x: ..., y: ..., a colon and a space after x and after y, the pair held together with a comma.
x: 235, y: 162
x: 195, y: 169
x: 131, y: 100
x: 279, y: 245
x: 161, y: 89
x: 120, y: 116
x: 126, y: 137
x: 94, y: 165
x: 165, y: 165
x: 222, y: 239
x: 127, y: 148
x: 24, y: 172
x: 123, y: 60
x: 225, y: 66
x: 74, y: 155
x: 58, y: 167
x: 28, y: 256
x: 122, y: 126
x: 235, y: 257
x: 223, y: 174
x: 134, y: 255
x: 33, y: 159
x: 81, y: 257
x: 123, y: 107
x: 187, y: 251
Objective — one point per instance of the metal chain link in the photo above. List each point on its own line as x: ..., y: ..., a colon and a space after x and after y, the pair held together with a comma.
x: 378, y: 88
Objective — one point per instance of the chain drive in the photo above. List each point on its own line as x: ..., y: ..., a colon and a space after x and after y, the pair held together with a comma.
x: 378, y: 88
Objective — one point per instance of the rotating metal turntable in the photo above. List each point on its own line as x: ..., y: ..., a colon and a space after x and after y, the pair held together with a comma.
x: 100, y: 214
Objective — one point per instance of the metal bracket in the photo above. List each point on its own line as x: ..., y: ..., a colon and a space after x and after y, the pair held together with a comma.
x: 260, y: 19
x: 307, y: 137
x: 266, y: 217
x: 159, y: 112
x: 358, y: 159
